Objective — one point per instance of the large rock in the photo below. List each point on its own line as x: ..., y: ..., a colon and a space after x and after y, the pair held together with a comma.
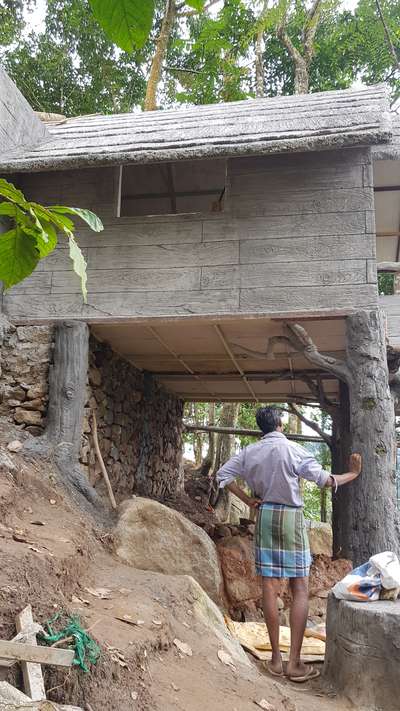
x: 236, y: 555
x: 320, y: 537
x: 151, y: 536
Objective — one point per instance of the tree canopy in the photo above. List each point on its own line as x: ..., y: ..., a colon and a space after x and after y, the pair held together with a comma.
x: 199, y: 53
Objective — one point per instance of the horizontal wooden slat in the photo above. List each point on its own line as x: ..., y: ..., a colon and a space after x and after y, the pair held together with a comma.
x: 122, y: 233
x: 293, y: 274
x: 301, y: 299
x: 311, y: 160
x: 114, y: 280
x: 295, y: 176
x: 180, y: 303
x: 301, y: 202
x: 41, y: 655
x: 280, y: 226
x: 167, y: 255
x: 303, y: 248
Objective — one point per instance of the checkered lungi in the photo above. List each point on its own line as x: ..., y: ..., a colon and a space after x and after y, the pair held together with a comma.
x: 282, y: 549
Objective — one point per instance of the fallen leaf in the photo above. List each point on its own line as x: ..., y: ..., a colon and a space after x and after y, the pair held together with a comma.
x: 175, y: 687
x: 263, y: 704
x: 183, y: 647
x: 53, y: 502
x: 129, y: 620
x: 226, y: 658
x: 102, y: 593
x: 36, y: 550
x: 37, y: 523
x: 157, y: 622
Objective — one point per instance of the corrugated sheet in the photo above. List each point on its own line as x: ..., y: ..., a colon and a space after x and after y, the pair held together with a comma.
x: 257, y: 126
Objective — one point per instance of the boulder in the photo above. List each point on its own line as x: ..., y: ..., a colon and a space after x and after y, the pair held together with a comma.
x: 151, y: 536
x: 320, y: 537
x: 236, y: 555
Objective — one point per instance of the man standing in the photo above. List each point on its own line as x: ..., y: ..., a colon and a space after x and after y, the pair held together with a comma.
x: 273, y: 468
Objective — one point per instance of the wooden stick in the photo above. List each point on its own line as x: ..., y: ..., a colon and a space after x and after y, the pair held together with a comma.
x: 31, y: 653
x: 101, y: 462
x: 31, y: 672
x: 249, y: 433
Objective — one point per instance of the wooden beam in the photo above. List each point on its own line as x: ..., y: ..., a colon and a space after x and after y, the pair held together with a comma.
x: 171, y: 189
x: 40, y: 655
x: 248, y: 433
x: 31, y: 672
x: 184, y: 193
x: 234, y: 361
x: 387, y: 188
x: 389, y: 233
x: 388, y: 266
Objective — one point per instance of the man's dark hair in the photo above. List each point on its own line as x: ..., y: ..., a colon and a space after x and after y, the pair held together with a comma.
x: 268, y: 419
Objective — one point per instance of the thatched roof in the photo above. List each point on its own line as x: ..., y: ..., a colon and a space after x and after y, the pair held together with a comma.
x: 327, y: 120
x: 391, y: 150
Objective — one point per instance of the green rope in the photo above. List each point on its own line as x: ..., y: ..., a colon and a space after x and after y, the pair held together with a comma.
x: 86, y: 649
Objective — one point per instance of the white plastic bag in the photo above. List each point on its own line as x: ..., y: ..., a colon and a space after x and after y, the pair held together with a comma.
x: 363, y: 584
x: 388, y: 566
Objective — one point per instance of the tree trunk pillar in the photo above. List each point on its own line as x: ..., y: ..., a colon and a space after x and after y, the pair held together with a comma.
x: 342, y: 523
x: 372, y: 524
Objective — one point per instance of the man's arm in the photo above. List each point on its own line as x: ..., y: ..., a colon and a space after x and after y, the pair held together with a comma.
x: 336, y: 480
x: 250, y: 501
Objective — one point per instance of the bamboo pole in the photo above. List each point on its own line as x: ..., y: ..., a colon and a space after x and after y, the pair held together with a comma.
x: 101, y: 462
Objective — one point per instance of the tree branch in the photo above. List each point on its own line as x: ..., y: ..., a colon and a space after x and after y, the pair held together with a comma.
x: 388, y: 37
x: 310, y: 29
x: 310, y: 423
x: 307, y: 346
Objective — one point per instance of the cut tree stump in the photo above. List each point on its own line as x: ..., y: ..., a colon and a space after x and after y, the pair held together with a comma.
x: 362, y: 657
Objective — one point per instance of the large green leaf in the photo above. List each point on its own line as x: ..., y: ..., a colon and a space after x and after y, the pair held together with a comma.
x: 9, y: 191
x: 126, y: 22
x: 7, y: 209
x: 79, y: 263
x: 18, y: 256
x: 62, y: 223
x: 87, y: 216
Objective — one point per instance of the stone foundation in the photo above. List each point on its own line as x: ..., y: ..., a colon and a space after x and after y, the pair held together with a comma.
x: 139, y: 428
x: 139, y: 423
x: 25, y: 356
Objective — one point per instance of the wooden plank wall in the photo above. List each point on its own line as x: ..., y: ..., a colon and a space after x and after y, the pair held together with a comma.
x: 297, y: 235
x: 19, y: 125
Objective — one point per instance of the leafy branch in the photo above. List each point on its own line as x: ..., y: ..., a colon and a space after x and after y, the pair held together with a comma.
x: 32, y: 235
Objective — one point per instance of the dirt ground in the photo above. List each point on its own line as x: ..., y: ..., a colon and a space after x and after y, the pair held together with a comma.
x: 54, y: 558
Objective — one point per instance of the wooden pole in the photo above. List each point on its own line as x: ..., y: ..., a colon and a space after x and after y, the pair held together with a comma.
x: 101, y: 462
x: 249, y: 433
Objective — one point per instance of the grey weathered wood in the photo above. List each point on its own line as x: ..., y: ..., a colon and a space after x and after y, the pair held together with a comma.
x: 302, y: 202
x: 259, y: 126
x: 31, y: 653
x: 126, y: 230
x: 294, y: 274
x: 172, y: 255
x: 32, y: 673
x: 330, y: 174
x: 362, y: 653
x: 116, y: 280
x: 283, y: 226
x: 279, y: 300
x: 19, y: 126
x: 302, y: 248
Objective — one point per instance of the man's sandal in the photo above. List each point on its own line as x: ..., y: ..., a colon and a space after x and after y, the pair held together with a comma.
x: 311, y: 674
x: 275, y: 673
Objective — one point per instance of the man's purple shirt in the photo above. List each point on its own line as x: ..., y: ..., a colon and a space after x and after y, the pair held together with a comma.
x: 272, y: 468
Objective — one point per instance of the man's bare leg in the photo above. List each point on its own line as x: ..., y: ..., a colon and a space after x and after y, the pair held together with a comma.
x: 298, y: 621
x: 271, y: 616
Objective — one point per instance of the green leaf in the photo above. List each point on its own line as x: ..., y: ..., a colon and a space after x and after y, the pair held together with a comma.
x: 6, y: 208
x: 9, y: 191
x: 46, y: 244
x: 79, y: 263
x: 18, y: 256
x: 87, y: 216
x: 126, y: 22
x: 196, y: 4
x: 62, y: 223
